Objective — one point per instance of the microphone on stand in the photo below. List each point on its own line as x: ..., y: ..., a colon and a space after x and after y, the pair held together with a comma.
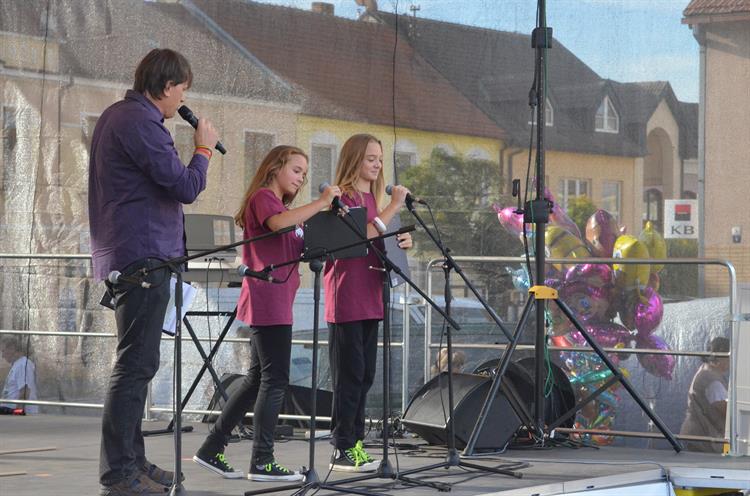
x: 116, y: 276
x: 190, y: 117
x: 336, y: 203
x: 409, y: 197
x: 245, y: 271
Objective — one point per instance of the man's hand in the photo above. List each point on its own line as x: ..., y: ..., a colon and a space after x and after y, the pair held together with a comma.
x: 205, y: 134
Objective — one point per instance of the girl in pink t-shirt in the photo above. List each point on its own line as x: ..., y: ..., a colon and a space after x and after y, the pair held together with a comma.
x: 267, y: 308
x: 354, y: 302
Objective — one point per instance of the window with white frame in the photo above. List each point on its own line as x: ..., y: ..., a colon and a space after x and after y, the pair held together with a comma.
x: 607, y: 120
x: 612, y: 197
x: 571, y: 188
x: 9, y: 143
x: 549, y: 115
x: 257, y: 146
x: 322, y: 163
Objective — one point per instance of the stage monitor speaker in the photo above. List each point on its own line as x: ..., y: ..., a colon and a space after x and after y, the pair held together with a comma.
x: 427, y: 413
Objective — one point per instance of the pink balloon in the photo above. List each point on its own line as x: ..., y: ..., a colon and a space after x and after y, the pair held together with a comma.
x: 658, y: 365
x: 606, y: 334
x: 509, y: 219
x: 588, y: 303
x: 601, y: 233
x: 597, y: 275
x: 558, y: 217
x: 648, y: 312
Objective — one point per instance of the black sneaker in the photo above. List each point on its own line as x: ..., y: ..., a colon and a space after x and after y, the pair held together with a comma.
x: 270, y: 472
x: 351, y: 460
x: 217, y: 464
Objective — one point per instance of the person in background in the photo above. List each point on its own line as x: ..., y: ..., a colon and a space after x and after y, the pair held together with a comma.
x: 20, y: 384
x: 707, y: 399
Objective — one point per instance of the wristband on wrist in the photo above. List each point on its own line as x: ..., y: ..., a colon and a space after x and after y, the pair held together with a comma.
x: 379, y: 226
x: 204, y: 150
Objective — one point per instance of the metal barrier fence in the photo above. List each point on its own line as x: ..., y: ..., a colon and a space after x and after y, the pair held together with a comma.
x: 428, y: 344
x: 734, y: 317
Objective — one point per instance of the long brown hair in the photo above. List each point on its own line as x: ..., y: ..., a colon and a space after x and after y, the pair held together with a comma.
x: 350, y: 160
x: 264, y: 176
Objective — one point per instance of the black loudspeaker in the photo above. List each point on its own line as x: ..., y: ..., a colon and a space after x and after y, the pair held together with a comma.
x: 427, y: 413
x: 296, y: 402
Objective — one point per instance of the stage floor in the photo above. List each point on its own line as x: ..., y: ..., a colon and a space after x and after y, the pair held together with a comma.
x: 71, y: 467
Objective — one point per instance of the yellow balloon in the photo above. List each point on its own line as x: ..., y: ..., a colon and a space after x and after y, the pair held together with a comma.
x: 562, y: 244
x: 655, y: 243
x: 630, y: 276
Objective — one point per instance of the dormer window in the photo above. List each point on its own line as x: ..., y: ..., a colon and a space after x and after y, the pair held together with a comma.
x: 607, y: 120
x: 549, y: 115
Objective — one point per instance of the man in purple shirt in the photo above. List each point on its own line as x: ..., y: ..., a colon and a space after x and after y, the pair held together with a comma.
x: 137, y: 185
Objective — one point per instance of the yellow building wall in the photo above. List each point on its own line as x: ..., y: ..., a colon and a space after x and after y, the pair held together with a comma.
x: 596, y: 169
x: 315, y: 130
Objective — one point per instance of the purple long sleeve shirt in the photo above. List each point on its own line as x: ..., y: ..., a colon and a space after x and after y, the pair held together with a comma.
x: 137, y: 185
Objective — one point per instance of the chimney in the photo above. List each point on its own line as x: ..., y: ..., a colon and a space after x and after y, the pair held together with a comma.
x: 322, y: 8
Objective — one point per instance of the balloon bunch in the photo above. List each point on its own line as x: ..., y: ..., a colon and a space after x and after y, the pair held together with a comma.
x: 619, y: 306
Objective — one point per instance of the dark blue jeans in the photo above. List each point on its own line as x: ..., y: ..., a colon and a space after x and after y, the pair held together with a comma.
x: 263, y: 389
x: 352, y: 348
x: 139, y: 315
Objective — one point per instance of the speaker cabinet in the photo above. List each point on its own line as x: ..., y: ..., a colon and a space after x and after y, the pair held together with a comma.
x: 427, y: 414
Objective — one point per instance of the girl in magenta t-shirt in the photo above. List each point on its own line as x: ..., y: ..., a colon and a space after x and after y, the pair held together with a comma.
x: 354, y: 302
x: 267, y: 308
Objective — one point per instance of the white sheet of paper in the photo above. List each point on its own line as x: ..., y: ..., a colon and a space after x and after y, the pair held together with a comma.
x: 188, y: 295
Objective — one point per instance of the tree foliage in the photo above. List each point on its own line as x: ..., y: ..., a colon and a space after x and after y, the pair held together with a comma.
x: 580, y: 208
x: 460, y: 192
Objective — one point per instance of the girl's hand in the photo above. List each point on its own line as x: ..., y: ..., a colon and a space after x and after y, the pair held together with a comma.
x: 404, y: 241
x: 330, y: 193
x: 398, y: 195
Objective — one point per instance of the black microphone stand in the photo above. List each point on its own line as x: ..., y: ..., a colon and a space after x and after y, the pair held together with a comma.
x: 537, y: 212
x: 385, y: 469
x: 312, y: 480
x: 175, y: 266
x: 452, y: 458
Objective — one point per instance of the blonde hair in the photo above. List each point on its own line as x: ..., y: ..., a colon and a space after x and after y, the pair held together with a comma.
x: 269, y: 168
x: 350, y: 160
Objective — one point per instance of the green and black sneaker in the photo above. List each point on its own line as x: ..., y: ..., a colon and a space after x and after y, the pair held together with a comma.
x: 217, y: 463
x: 270, y: 472
x: 353, y: 459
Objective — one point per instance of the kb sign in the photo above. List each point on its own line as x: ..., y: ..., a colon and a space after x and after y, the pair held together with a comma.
x: 681, y: 219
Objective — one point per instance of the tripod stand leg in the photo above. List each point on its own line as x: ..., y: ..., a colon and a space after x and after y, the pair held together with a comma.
x: 497, y: 380
x: 623, y: 380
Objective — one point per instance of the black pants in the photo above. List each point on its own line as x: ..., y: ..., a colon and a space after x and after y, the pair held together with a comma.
x: 264, y: 386
x: 139, y: 315
x: 353, y: 348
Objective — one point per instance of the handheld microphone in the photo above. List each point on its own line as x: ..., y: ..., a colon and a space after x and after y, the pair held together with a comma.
x: 116, y: 276
x: 245, y: 271
x: 336, y: 203
x: 409, y: 197
x: 190, y: 117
